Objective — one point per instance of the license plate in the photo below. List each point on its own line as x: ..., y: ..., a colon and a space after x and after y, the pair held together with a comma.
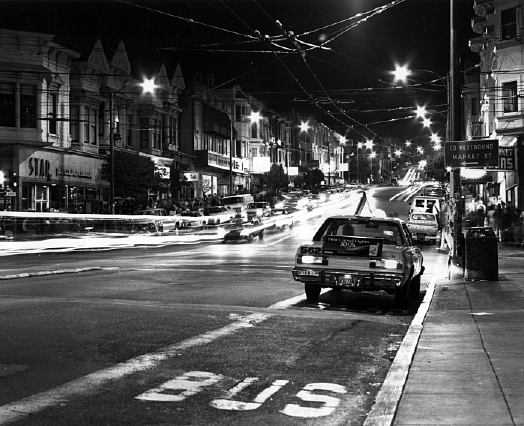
x: 349, y: 282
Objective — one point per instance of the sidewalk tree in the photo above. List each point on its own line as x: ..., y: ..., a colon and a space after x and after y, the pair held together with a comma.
x: 276, y: 179
x: 313, y: 178
x: 134, y: 175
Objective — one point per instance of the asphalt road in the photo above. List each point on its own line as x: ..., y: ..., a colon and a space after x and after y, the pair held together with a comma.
x: 203, y: 334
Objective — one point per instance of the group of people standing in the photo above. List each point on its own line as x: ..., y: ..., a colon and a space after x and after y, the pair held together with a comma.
x: 506, y: 221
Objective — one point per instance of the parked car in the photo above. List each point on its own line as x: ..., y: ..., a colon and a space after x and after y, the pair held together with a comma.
x: 361, y: 254
x: 424, y: 226
x: 257, y: 210
x: 425, y: 204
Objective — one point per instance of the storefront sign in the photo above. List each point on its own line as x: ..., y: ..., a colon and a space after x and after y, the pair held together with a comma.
x: 261, y: 165
x: 222, y: 162
x: 191, y: 176
x: 162, y: 172
x: 506, y: 158
x: 52, y: 166
x: 473, y: 153
x: 292, y: 171
x: 75, y: 173
x: 39, y: 167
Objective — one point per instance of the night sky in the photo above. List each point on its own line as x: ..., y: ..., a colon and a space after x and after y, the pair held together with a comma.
x: 414, y: 32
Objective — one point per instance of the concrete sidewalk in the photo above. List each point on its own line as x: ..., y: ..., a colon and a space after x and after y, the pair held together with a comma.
x: 468, y: 367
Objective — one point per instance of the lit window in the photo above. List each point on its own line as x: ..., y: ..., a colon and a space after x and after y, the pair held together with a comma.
x: 509, y: 96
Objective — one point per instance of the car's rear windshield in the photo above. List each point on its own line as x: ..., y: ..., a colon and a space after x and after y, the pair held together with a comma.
x: 257, y: 205
x: 422, y: 216
x: 389, y: 231
x: 214, y: 210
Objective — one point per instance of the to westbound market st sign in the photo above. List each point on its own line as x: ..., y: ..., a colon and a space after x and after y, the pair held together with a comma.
x: 474, y: 153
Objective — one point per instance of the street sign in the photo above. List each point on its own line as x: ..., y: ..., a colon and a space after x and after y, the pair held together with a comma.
x: 506, y: 158
x: 473, y: 153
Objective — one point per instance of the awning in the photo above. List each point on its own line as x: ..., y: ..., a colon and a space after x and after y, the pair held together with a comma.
x: 508, y: 141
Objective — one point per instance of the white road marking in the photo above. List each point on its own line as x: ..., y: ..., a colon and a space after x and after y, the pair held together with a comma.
x: 188, y: 384
x: 284, y: 304
x: 235, y: 405
x: 330, y: 403
x: 56, y: 272
x: 89, y: 384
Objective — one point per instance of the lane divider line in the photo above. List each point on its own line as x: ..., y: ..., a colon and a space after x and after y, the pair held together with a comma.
x: 57, y: 272
x: 384, y: 409
x: 90, y: 383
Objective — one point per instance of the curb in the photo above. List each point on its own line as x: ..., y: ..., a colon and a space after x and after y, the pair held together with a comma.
x: 384, y: 409
x: 57, y: 272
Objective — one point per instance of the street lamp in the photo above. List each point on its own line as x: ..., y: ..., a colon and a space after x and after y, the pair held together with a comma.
x: 401, y: 73
x: 148, y: 86
x: 426, y: 122
x: 369, y: 144
x: 407, y: 143
x: 398, y: 152
x: 421, y: 111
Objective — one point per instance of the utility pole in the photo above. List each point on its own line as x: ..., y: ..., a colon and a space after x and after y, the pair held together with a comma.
x: 453, y: 134
x: 231, y: 152
x: 112, y: 152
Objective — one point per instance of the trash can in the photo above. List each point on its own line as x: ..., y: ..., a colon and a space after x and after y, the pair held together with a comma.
x: 481, y: 254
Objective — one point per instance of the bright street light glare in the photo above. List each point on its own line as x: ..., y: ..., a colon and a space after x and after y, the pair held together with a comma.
x: 369, y: 144
x: 435, y: 138
x: 148, y: 85
x: 401, y: 73
x: 254, y: 117
x: 437, y: 147
x: 398, y: 152
x: 426, y: 122
x: 420, y: 150
x: 408, y: 143
x: 342, y: 140
x: 304, y: 126
x: 373, y: 154
x: 360, y: 145
x: 421, y: 111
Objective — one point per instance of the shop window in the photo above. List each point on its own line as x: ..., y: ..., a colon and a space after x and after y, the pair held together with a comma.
x: 129, y: 135
x: 28, y: 106
x: 508, y: 23
x: 144, y: 133
x: 52, y: 114
x: 92, y: 126
x: 74, y: 123
x: 7, y: 105
x: 474, y: 106
x: 509, y: 96
x: 173, y: 131
x: 101, y: 119
x: 156, y: 134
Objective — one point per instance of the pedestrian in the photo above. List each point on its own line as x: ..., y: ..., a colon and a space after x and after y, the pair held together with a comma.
x: 498, y: 218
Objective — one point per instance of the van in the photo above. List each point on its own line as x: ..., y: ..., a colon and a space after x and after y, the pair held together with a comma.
x: 424, y: 204
x: 238, y: 203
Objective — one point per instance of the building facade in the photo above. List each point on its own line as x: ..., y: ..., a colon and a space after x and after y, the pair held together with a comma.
x: 496, y: 111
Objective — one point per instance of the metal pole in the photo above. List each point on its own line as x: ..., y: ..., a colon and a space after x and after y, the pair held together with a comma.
x: 231, y: 156
x: 112, y: 153
x: 455, y: 185
x: 358, y: 168
x: 329, y: 167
